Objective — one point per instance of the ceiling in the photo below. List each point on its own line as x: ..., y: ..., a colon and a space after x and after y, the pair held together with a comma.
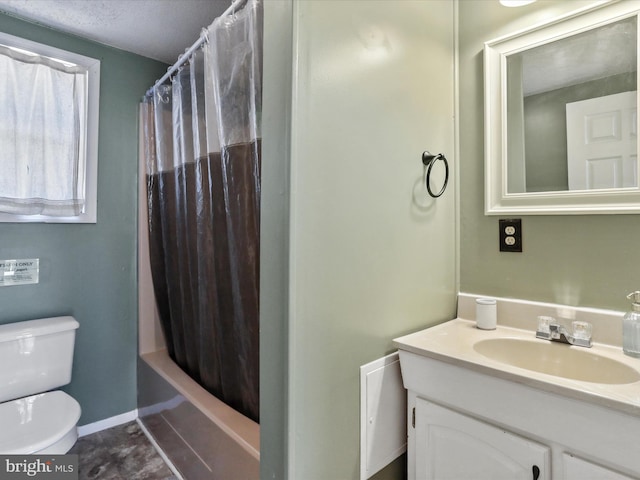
x: 597, y: 53
x: 158, y: 29
x: 164, y: 29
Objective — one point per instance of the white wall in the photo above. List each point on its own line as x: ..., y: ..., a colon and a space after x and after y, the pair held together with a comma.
x: 370, y: 256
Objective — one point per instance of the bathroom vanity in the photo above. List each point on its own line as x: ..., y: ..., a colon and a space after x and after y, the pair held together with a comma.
x: 502, y: 404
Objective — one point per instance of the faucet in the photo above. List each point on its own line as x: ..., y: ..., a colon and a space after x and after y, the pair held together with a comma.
x: 549, y: 329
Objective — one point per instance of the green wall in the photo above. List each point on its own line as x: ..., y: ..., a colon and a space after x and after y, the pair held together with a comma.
x: 89, y: 271
x: 274, y: 237
x: 354, y: 253
x: 586, y: 260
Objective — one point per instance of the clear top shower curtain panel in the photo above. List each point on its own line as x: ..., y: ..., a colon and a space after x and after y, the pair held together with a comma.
x: 202, y: 147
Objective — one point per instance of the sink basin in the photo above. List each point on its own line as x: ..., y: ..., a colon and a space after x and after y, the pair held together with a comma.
x: 557, y: 359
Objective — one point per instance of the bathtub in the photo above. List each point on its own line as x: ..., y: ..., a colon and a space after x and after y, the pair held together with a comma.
x: 201, y: 436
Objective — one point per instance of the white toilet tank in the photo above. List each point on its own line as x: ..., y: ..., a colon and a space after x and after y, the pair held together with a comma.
x: 35, y: 356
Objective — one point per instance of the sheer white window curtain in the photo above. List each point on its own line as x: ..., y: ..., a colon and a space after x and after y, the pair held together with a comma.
x: 42, y: 135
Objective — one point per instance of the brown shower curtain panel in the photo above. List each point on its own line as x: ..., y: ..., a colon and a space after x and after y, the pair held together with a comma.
x: 202, y: 146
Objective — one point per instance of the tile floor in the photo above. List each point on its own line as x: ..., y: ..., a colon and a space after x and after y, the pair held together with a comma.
x: 120, y: 453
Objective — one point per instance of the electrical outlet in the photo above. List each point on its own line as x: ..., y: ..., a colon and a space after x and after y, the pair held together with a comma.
x: 510, y: 234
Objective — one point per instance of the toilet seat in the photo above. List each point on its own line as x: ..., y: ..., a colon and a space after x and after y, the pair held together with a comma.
x: 42, y: 423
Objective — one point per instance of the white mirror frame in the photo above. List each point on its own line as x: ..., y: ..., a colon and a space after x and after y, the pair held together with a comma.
x: 497, y: 200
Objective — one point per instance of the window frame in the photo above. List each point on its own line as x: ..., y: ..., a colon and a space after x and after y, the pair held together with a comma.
x: 92, y: 66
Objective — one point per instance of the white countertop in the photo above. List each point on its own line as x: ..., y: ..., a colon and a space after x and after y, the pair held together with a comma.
x: 453, y: 342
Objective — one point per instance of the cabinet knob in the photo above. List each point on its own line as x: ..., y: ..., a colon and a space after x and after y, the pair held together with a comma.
x: 536, y: 472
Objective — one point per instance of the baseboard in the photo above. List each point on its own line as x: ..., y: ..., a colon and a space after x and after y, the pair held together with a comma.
x: 107, y: 423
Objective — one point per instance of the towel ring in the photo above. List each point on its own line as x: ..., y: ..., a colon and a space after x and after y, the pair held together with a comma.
x: 429, y: 160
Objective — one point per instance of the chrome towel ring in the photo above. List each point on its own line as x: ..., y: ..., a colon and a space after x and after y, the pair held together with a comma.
x: 429, y: 160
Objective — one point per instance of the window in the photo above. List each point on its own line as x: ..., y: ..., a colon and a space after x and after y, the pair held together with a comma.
x: 48, y: 133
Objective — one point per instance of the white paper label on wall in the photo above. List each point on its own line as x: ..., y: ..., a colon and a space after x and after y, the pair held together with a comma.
x: 19, y: 272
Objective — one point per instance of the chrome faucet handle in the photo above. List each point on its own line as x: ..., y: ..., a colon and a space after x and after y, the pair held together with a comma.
x: 581, y: 335
x: 544, y: 327
x: 582, y: 329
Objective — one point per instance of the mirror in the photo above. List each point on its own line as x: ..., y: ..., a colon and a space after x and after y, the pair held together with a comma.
x: 561, y: 116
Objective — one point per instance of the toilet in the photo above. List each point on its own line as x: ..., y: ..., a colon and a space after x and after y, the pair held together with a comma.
x: 36, y: 357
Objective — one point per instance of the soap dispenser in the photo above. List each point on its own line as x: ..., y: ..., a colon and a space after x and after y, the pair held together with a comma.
x: 631, y: 327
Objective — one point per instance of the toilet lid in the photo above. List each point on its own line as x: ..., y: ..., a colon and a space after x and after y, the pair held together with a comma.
x: 31, y: 424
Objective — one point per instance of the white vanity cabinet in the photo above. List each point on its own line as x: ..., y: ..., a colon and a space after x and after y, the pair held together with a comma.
x: 465, y: 423
x: 575, y: 468
x: 450, y: 445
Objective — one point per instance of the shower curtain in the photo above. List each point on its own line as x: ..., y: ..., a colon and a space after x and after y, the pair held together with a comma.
x: 202, y: 148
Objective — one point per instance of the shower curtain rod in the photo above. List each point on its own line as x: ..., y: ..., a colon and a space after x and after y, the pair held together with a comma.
x: 235, y: 5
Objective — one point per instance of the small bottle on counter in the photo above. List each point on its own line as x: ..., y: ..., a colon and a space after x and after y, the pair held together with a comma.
x: 631, y: 327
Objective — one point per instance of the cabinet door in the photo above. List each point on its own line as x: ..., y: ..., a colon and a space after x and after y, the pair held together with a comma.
x: 452, y: 446
x: 577, y: 469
